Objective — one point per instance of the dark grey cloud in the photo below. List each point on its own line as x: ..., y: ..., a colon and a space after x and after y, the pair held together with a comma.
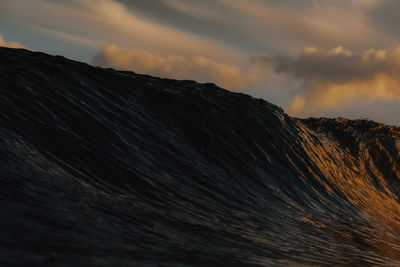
x: 325, y: 65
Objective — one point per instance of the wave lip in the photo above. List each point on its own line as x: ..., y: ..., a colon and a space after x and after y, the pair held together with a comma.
x: 100, y: 167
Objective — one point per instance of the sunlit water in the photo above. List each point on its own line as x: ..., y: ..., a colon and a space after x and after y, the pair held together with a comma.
x: 106, y: 168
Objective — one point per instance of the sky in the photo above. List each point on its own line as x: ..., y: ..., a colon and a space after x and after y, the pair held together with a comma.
x: 331, y: 58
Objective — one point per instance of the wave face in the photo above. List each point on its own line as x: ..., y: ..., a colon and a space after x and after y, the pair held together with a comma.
x: 110, y: 168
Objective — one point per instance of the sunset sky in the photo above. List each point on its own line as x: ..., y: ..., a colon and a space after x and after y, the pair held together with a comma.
x: 312, y: 57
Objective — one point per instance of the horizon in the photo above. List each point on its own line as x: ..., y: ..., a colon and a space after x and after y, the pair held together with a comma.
x: 312, y: 58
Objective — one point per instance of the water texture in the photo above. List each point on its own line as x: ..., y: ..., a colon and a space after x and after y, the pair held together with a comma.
x: 109, y: 168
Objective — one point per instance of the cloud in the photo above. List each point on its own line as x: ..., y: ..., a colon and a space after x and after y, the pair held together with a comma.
x: 198, y: 68
x: 337, y: 78
x: 69, y: 37
x: 10, y: 44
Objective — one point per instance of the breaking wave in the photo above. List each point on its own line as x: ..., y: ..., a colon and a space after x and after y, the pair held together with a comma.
x: 108, y: 168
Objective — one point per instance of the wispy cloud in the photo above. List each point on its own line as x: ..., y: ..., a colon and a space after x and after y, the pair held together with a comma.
x: 69, y: 37
x: 109, y: 22
x: 199, y: 9
x: 322, y: 23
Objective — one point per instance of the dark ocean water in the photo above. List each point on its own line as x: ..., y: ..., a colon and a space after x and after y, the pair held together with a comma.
x: 109, y: 168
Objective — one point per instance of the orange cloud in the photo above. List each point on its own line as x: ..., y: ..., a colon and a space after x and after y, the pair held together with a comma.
x: 338, y: 78
x: 10, y: 44
x: 198, y: 68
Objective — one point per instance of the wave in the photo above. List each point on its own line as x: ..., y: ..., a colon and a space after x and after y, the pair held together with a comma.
x: 101, y: 167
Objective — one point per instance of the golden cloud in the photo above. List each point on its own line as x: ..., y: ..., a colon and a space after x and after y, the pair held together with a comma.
x: 10, y: 44
x: 198, y: 68
x: 338, y: 78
